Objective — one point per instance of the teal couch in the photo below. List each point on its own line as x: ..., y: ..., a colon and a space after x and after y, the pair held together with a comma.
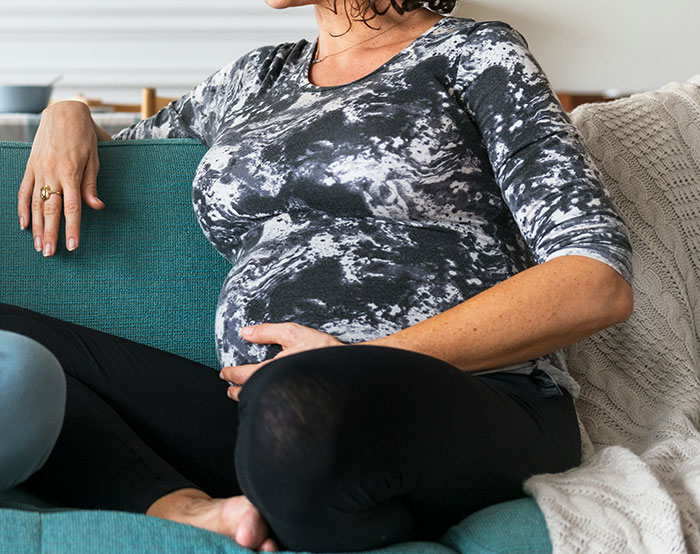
x: 144, y: 271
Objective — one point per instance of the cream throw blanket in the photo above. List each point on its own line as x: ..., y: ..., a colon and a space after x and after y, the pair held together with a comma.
x: 638, y: 489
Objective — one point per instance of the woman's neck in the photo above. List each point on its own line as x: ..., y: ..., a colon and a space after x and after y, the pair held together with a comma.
x: 338, y: 32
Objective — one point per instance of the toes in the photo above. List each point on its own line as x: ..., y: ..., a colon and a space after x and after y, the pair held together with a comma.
x: 252, y: 530
x: 268, y: 546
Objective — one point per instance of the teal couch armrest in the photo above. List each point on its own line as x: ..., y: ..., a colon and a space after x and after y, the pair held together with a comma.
x: 144, y: 271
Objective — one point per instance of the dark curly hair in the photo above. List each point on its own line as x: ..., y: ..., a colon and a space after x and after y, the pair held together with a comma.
x: 367, y: 10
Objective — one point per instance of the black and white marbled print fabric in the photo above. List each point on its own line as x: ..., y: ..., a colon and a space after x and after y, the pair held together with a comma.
x: 365, y: 208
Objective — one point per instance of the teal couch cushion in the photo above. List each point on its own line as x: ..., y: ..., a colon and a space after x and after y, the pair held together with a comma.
x: 144, y: 271
x: 102, y: 532
x: 515, y: 527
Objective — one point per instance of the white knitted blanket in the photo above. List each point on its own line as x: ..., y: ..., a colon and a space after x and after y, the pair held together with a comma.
x: 638, y: 489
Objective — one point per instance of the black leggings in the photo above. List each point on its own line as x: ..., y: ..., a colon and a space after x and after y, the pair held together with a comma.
x: 343, y: 448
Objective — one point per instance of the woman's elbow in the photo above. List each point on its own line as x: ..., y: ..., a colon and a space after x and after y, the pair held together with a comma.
x: 618, y: 301
x: 604, y: 297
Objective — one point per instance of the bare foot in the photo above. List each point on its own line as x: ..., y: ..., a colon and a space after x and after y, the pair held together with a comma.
x: 235, y: 517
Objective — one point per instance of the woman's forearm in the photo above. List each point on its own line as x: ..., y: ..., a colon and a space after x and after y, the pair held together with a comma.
x: 533, y: 313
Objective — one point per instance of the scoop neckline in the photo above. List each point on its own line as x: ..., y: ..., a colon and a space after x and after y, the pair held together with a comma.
x: 306, y: 61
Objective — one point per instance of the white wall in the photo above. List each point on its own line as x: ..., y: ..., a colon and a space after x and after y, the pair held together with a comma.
x: 113, y: 48
x: 594, y: 45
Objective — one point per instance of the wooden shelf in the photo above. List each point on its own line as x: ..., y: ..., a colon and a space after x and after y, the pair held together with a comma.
x: 570, y: 100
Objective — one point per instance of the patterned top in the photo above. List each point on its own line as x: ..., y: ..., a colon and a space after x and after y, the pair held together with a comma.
x: 364, y: 208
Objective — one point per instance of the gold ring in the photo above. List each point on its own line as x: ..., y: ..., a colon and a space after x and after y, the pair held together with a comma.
x: 46, y: 192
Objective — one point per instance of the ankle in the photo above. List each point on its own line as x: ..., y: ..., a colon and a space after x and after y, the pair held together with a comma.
x: 179, y: 501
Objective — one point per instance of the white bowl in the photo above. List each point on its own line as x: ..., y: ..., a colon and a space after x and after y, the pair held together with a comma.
x: 24, y: 99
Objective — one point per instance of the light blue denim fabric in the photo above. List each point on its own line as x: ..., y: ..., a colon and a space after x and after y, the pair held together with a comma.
x: 32, y: 405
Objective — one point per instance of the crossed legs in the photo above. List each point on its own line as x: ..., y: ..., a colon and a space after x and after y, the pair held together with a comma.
x: 345, y: 448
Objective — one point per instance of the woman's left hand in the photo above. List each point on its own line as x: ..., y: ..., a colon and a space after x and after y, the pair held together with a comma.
x: 292, y: 337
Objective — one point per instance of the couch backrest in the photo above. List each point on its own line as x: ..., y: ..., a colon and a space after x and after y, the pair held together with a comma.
x: 143, y: 271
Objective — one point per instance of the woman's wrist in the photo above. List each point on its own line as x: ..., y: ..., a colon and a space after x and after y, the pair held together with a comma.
x: 76, y: 108
x: 102, y: 135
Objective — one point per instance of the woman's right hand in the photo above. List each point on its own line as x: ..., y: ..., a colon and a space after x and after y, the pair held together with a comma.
x: 63, y: 157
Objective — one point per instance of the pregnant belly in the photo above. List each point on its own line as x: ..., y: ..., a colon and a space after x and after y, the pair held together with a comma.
x: 352, y: 279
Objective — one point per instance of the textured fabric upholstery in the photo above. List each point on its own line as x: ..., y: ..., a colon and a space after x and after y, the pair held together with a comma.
x: 508, y: 528
x: 143, y: 271
x: 95, y: 532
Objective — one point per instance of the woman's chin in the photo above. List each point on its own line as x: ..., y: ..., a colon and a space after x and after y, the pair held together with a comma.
x: 281, y: 4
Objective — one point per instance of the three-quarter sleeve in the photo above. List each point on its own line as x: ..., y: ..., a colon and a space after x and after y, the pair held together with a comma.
x: 198, y: 114
x: 539, y: 160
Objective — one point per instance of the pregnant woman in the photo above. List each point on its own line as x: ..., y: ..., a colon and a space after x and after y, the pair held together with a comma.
x: 415, y: 231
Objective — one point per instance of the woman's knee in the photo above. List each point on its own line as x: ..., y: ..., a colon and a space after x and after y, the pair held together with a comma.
x: 32, y: 405
x: 304, y: 461
x: 291, y: 417
x: 302, y: 429
x: 315, y: 405
x: 292, y: 405
x: 315, y: 380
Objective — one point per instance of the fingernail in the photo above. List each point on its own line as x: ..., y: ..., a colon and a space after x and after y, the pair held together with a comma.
x: 229, y: 392
x: 221, y: 375
x: 37, y: 244
x: 71, y: 244
x: 47, y: 250
x: 247, y: 331
x: 21, y: 223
